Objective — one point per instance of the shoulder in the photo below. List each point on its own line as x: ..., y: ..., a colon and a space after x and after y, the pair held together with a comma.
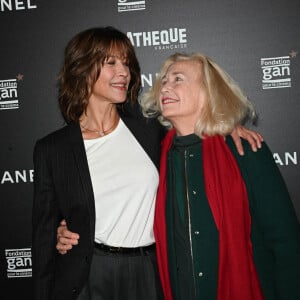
x: 57, y: 138
x: 262, y: 153
x: 54, y: 135
x: 132, y: 116
x: 257, y: 165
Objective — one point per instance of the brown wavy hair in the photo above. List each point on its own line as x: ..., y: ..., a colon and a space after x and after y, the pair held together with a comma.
x: 83, y: 58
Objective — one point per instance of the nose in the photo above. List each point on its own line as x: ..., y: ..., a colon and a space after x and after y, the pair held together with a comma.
x: 165, y: 87
x: 123, y: 70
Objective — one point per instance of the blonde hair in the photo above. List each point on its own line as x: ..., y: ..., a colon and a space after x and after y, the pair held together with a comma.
x: 225, y: 106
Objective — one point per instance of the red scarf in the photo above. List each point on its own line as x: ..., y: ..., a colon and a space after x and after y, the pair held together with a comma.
x: 227, y: 197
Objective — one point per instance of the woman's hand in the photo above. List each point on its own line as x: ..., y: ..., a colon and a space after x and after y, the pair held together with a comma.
x: 65, y: 239
x: 253, y: 138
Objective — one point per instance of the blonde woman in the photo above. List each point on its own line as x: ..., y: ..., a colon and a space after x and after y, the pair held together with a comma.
x: 225, y: 227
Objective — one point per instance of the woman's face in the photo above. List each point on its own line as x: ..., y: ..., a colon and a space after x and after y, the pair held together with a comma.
x: 113, y: 82
x: 182, y: 94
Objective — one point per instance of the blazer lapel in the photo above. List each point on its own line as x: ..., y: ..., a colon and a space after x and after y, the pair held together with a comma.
x: 78, y: 151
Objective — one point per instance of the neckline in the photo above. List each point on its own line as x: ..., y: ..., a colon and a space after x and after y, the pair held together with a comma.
x: 108, y: 135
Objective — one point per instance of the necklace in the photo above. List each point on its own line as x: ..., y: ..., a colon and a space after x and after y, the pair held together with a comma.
x: 101, y: 132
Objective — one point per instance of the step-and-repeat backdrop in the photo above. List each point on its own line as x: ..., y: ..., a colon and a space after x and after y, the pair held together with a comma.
x: 256, y: 41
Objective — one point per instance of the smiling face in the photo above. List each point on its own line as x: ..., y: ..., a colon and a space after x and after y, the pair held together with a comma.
x: 113, y: 82
x: 182, y: 95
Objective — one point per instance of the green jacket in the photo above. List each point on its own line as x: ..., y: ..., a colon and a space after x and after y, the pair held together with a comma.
x: 275, y: 229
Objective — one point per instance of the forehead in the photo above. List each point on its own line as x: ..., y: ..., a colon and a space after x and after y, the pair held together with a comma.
x: 185, y: 67
x: 118, y: 50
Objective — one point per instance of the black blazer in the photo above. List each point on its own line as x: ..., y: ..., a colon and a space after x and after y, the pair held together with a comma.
x: 63, y: 189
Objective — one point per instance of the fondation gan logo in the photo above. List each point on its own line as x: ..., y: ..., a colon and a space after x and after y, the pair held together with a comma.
x: 276, y: 71
x: 166, y: 39
x: 19, y: 262
x: 124, y: 5
x: 9, y: 93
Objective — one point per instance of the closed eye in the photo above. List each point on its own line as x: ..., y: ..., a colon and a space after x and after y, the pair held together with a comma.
x: 110, y: 61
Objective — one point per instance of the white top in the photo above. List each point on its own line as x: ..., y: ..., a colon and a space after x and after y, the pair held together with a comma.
x: 124, y: 182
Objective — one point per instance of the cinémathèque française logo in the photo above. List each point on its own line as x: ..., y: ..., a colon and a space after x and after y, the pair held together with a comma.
x: 276, y: 71
x: 166, y: 39
x: 129, y: 5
